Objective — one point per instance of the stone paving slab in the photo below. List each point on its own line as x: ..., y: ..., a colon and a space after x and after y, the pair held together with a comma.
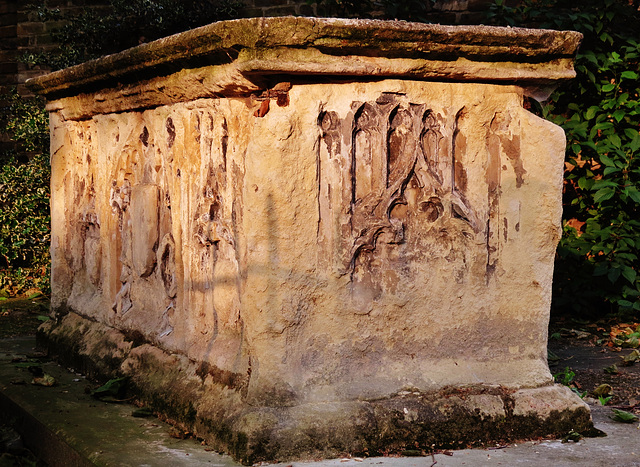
x: 106, y: 434
x: 103, y: 433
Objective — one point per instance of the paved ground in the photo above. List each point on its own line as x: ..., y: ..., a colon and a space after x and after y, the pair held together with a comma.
x: 65, y: 425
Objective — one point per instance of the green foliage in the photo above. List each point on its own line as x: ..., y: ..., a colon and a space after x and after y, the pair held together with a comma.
x: 598, y: 256
x: 623, y: 416
x: 114, y: 389
x: 24, y: 224
x: 604, y: 400
x: 27, y: 121
x: 565, y: 377
x: 123, y: 24
x: 24, y: 206
x: 24, y: 198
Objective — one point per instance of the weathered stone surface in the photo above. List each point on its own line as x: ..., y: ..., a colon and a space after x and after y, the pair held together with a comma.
x: 242, y: 55
x: 305, y: 267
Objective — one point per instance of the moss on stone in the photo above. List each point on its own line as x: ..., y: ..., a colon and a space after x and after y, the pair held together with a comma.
x: 452, y: 418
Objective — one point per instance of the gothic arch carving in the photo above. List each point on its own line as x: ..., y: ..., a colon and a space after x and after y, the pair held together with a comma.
x: 395, y: 156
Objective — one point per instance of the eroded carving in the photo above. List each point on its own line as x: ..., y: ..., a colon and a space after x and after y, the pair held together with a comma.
x: 398, y: 159
x: 210, y: 227
x: 171, y: 132
x: 123, y: 301
x: 119, y: 199
x: 144, y: 228
x: 92, y: 248
x: 166, y: 259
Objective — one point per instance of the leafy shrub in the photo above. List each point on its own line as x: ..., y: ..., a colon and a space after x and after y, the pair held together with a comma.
x: 598, y: 256
x: 24, y: 198
x: 24, y: 212
x: 24, y: 224
x: 27, y: 121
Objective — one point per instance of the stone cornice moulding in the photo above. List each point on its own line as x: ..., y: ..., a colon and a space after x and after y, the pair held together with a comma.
x: 237, y: 57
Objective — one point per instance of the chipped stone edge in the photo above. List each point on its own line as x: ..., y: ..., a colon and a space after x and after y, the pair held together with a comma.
x: 216, y: 411
x: 347, y: 47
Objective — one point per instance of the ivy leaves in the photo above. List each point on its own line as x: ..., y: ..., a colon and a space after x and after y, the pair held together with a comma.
x: 599, y: 255
x: 607, y: 183
x: 24, y: 212
x: 24, y: 197
x: 603, y: 170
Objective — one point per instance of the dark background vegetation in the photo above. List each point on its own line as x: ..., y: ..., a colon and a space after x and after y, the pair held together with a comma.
x: 597, y: 262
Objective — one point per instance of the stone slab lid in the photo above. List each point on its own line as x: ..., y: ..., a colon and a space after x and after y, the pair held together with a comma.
x: 256, y: 47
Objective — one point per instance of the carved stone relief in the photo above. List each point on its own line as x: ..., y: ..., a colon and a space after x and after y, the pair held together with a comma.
x: 92, y: 248
x: 119, y: 200
x: 503, y: 138
x: 166, y: 259
x: 144, y: 228
x: 210, y: 231
x: 384, y: 159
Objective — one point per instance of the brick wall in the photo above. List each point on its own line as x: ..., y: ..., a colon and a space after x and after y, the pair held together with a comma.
x: 29, y: 33
x: 443, y: 11
x: 8, y: 44
x: 460, y: 11
x: 278, y: 8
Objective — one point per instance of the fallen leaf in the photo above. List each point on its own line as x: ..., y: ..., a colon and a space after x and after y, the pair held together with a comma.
x: 28, y: 365
x: 113, y: 388
x: 412, y: 453
x: 572, y: 436
x: 552, y: 357
x: 622, y: 416
x: 632, y: 343
x: 612, y: 370
x: 603, y: 390
x: 580, y: 334
x: 177, y: 434
x: 44, y: 380
x: 631, y: 358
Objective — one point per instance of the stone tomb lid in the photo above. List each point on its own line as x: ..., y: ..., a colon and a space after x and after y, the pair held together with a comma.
x: 258, y: 47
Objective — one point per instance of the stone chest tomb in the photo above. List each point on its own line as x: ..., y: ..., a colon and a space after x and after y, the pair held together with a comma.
x: 306, y: 237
